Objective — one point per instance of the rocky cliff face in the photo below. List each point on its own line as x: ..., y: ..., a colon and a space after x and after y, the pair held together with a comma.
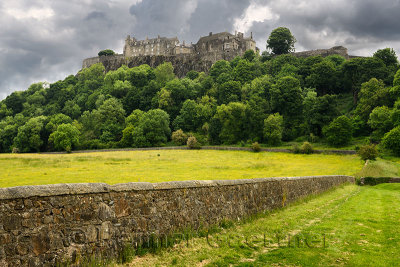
x: 182, y: 63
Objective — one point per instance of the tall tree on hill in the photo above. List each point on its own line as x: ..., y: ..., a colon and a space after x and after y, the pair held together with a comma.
x: 281, y: 41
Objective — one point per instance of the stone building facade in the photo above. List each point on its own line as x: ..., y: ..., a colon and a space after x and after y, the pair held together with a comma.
x: 217, y: 45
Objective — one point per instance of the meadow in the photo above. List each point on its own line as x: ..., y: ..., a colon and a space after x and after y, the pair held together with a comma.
x: 166, y: 165
x: 348, y: 226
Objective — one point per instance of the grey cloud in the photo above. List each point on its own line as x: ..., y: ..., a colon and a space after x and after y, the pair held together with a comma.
x: 50, y: 49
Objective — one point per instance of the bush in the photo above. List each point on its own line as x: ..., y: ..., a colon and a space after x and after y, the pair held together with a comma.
x: 179, y: 137
x: 391, y: 140
x: 192, y: 143
x: 255, y: 147
x: 273, y: 129
x: 306, y: 148
x: 106, y: 52
x: 368, y: 152
x: 296, y: 149
x: 339, y: 131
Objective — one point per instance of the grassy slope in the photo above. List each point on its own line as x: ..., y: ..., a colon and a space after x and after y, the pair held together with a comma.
x: 360, y: 226
x: 165, y: 165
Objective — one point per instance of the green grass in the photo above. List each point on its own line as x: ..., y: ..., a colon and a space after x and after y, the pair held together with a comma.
x: 380, y: 168
x: 360, y: 226
x: 166, y: 165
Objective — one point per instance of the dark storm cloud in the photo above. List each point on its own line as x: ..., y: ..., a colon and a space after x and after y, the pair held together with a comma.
x: 47, y: 40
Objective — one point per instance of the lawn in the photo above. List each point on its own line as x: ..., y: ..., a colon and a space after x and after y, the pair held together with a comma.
x: 349, y: 226
x: 166, y: 165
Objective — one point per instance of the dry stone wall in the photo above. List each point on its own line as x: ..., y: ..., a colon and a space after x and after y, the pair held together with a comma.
x: 47, y: 224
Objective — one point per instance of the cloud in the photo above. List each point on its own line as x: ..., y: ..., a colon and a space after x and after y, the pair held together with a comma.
x: 254, y: 13
x: 47, y: 40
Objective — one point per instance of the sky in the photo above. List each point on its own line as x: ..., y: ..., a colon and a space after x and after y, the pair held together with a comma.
x: 46, y: 40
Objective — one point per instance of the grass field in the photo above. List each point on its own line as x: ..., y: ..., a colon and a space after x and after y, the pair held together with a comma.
x: 350, y: 226
x: 166, y: 165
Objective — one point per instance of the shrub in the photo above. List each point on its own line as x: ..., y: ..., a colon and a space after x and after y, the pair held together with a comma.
x: 391, y: 140
x: 368, y: 152
x: 192, y: 143
x: 106, y: 52
x: 255, y: 147
x: 339, y: 131
x: 179, y: 137
x: 273, y: 128
x: 296, y: 149
x: 306, y: 148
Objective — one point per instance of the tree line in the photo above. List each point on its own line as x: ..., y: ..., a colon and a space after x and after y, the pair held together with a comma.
x: 266, y: 98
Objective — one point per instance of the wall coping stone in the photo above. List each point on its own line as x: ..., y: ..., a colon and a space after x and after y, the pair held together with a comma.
x: 28, y: 191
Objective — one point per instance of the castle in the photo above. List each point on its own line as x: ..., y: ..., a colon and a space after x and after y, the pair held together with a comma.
x: 221, y: 45
x: 186, y: 57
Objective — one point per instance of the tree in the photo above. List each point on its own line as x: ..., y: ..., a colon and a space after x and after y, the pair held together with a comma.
x: 339, y: 131
x: 287, y: 99
x: 164, y: 73
x: 219, y: 67
x: 106, y: 52
x: 319, y: 111
x: 388, y: 56
x: 29, y: 137
x: 232, y: 118
x: 281, y: 41
x: 66, y: 137
x: 57, y: 120
x: 323, y: 76
x: 152, y: 129
x: 273, y: 128
x: 380, y: 121
x: 229, y: 92
x: 372, y: 94
x: 391, y: 141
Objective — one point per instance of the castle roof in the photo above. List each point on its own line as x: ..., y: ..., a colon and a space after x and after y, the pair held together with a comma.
x: 220, y: 35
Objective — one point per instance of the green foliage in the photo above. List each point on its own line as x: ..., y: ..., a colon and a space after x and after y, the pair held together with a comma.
x: 219, y: 67
x: 255, y: 147
x: 229, y: 105
x: 380, y: 121
x: 164, y: 73
x: 30, y: 135
x: 287, y: 99
x: 231, y: 120
x: 106, y: 52
x: 192, y: 143
x: 65, y: 138
x: 281, y: 41
x: 152, y: 129
x: 229, y: 92
x: 273, y: 128
x: 192, y: 74
x: 339, y: 131
x: 134, y: 118
x: 306, y: 148
x: 368, y: 152
x: 372, y: 94
x: 250, y: 55
x: 179, y: 137
x: 388, y: 56
x: 391, y: 141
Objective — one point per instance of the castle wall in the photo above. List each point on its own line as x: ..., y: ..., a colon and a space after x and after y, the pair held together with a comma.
x: 47, y: 224
x: 337, y: 50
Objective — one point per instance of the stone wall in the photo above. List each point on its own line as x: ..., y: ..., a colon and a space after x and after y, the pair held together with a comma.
x: 43, y: 225
x: 337, y: 50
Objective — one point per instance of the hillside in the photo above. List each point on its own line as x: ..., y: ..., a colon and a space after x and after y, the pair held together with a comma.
x: 248, y: 99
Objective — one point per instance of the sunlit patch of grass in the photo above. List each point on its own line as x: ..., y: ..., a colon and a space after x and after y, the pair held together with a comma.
x: 166, y: 165
x: 380, y: 168
x: 349, y: 226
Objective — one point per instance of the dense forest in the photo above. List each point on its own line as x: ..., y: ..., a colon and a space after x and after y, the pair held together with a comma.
x: 263, y: 98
